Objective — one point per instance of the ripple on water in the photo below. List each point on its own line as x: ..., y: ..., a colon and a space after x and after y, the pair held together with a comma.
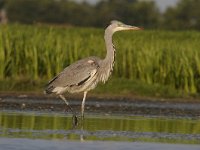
x: 35, y: 125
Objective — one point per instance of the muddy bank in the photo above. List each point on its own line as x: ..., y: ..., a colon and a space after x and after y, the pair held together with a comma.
x: 125, y: 106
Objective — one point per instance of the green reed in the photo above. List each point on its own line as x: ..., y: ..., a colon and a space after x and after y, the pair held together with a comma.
x: 152, y: 57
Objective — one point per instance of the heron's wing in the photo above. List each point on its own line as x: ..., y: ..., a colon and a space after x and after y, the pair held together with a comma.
x: 75, y: 74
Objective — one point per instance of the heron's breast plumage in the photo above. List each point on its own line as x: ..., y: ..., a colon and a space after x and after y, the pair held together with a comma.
x: 107, y: 65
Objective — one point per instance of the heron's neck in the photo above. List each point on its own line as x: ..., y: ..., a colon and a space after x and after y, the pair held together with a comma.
x: 110, y: 54
x: 108, y: 61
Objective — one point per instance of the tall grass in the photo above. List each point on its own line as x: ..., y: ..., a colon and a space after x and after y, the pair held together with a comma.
x: 152, y: 57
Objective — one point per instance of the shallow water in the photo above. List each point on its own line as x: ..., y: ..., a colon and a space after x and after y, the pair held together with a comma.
x: 58, y: 126
x: 35, y: 123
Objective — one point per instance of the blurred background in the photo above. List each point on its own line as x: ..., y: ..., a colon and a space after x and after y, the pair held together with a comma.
x: 162, y: 14
x: 38, y: 38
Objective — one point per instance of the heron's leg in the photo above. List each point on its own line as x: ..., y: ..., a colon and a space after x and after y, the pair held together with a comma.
x: 66, y: 102
x: 75, y: 118
x: 83, y: 104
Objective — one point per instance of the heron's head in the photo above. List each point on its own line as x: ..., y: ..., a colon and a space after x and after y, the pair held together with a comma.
x: 119, y: 26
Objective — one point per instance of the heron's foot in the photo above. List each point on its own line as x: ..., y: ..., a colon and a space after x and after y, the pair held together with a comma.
x: 74, y: 120
x: 77, y: 119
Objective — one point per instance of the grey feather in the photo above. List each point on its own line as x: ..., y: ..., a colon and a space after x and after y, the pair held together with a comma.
x: 75, y: 74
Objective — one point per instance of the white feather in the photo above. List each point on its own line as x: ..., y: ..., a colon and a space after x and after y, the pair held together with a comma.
x: 59, y: 90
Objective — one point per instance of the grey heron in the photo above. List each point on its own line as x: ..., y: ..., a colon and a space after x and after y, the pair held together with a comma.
x: 85, y: 74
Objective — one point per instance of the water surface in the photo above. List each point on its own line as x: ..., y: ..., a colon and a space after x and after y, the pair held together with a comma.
x: 58, y: 126
x: 40, y: 123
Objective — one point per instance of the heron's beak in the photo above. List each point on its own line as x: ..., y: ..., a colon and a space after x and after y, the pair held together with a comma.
x: 128, y: 27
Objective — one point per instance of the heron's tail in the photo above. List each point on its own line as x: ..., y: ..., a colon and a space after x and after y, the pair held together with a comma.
x: 48, y: 90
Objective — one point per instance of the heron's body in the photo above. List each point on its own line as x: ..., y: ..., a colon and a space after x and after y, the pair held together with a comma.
x: 83, y: 75
x: 78, y: 77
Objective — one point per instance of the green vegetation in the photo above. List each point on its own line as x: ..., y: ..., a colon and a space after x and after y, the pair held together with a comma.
x: 156, y: 63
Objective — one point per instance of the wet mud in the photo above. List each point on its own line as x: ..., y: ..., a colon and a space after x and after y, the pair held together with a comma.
x: 102, y: 106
